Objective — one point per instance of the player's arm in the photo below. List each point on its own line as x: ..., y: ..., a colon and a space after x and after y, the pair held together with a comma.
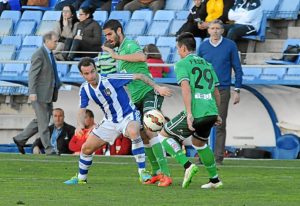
x: 163, y: 91
x: 187, y: 100
x: 135, y: 57
x: 80, y: 121
x: 218, y: 101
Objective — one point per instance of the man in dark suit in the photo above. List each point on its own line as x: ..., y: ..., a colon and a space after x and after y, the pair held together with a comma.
x: 60, y: 134
x: 43, y: 84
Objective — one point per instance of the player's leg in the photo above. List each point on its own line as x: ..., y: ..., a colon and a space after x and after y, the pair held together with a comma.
x: 200, y: 136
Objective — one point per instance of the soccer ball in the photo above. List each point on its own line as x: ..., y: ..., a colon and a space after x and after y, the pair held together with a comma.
x: 154, y: 120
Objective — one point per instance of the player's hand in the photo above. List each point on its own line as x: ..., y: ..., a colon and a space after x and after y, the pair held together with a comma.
x: 112, y: 53
x: 190, y: 120
x: 164, y: 91
x: 32, y: 97
x: 219, y: 121
x: 236, y: 98
x: 79, y: 132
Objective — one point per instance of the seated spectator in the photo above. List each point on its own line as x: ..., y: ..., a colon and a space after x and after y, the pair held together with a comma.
x: 209, y: 10
x: 4, y: 5
x: 154, y: 5
x: 77, y: 141
x: 66, y: 29
x: 245, y: 17
x: 87, y: 37
x: 104, y: 5
x: 153, y: 56
x: 61, y: 134
x: 121, y: 4
x: 122, y: 146
x: 103, y: 58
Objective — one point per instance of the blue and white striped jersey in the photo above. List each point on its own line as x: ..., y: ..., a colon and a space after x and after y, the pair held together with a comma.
x: 110, y: 95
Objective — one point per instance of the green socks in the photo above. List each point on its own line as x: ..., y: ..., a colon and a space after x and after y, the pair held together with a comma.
x: 159, y: 155
x: 207, y: 158
x: 152, y: 159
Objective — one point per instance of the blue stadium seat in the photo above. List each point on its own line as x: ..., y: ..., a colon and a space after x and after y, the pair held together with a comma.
x: 62, y: 69
x: 171, y: 74
x: 251, y: 73
x: 44, y: 27
x: 176, y: 5
x: 25, y: 53
x: 166, y: 41
x: 182, y: 14
x: 261, y: 34
x: 158, y: 28
x: 33, y: 41
x: 7, y: 52
x: 145, y: 40
x: 165, y: 53
x: 12, y: 40
x: 281, y: 62
x: 123, y: 16
x: 164, y: 15
x: 190, y: 5
x: 288, y: 9
x: 175, y: 26
x: 175, y: 57
x: 11, y: 14
x: 273, y: 73
x: 135, y: 27
x: 51, y: 16
x: 74, y: 73
x: 25, y: 27
x: 32, y: 15
x: 146, y: 15
x: 198, y: 42
x: 6, y: 27
x: 270, y: 7
x: 26, y: 71
x: 293, y: 73
x: 51, y: 6
x: 12, y: 70
x: 100, y: 16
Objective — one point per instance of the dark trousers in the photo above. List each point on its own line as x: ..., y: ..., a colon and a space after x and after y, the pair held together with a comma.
x: 236, y: 31
x: 74, y: 45
x: 193, y: 28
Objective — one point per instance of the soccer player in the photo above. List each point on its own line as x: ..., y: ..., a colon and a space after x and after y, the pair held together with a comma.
x: 198, y: 82
x: 131, y: 59
x: 120, y: 116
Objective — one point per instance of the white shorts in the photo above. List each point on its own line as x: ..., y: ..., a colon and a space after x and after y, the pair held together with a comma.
x: 108, y: 131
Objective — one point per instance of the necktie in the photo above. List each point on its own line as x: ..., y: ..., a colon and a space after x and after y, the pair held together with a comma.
x: 57, y: 80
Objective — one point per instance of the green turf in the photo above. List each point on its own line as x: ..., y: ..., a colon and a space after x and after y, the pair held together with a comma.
x: 38, y: 180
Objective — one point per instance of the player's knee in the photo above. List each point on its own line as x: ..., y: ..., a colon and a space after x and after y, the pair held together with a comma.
x: 133, y: 132
x: 87, y: 149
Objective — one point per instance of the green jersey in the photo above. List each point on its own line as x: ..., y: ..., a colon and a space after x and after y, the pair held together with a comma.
x: 202, y: 79
x: 137, y: 88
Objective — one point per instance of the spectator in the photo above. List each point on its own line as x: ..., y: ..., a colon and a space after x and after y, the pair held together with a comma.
x: 104, y: 5
x: 77, y: 140
x: 87, y: 36
x: 153, y: 56
x: 60, y: 134
x: 209, y: 10
x: 245, y: 17
x: 121, y: 4
x: 105, y: 58
x: 4, y: 5
x: 121, y: 146
x: 222, y: 53
x: 66, y: 29
x: 154, y: 5
x: 43, y: 85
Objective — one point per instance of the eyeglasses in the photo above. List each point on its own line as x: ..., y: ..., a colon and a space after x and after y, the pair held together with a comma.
x: 66, y: 11
x: 82, y: 14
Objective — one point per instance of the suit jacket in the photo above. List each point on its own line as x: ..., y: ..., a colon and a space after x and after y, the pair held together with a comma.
x: 41, y: 76
x: 62, y: 140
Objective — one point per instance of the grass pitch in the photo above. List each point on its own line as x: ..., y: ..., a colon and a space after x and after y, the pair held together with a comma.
x: 38, y: 180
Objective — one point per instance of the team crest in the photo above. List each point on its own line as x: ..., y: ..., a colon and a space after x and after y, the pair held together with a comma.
x: 107, y: 91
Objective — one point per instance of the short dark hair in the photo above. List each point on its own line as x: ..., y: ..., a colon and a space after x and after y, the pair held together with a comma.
x: 59, y: 109
x: 89, y: 113
x: 188, y: 40
x: 49, y: 35
x: 113, y: 24
x: 216, y: 21
x: 86, y: 61
x: 151, y: 51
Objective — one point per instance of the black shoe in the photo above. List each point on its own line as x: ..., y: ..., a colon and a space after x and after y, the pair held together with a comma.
x: 20, y: 147
x: 53, y: 153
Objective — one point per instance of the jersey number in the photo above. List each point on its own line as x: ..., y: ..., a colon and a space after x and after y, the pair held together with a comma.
x: 206, y: 74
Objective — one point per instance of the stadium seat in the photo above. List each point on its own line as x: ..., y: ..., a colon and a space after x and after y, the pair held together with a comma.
x: 25, y: 27
x: 288, y: 9
x: 12, y: 69
x: 198, y: 42
x: 146, y: 15
x: 175, y: 57
x: 12, y: 40
x: 158, y: 28
x: 44, y: 27
x: 74, y: 73
x: 261, y: 34
x: 171, y: 74
x: 7, y: 52
x: 25, y: 53
x: 100, y: 16
x: 251, y: 73
x: 176, y: 5
x: 6, y: 27
x: 165, y: 53
x: 62, y: 69
x: 281, y: 62
x: 33, y: 41
x: 270, y: 7
x: 182, y: 14
x: 11, y: 14
x: 190, y: 5
x: 26, y: 71
x: 145, y: 40
x: 32, y: 15
x: 51, y: 16
x: 166, y: 41
x: 175, y: 26
x: 123, y: 16
x: 273, y: 73
x: 293, y: 73
x: 51, y: 6
x: 164, y: 15
x: 135, y: 27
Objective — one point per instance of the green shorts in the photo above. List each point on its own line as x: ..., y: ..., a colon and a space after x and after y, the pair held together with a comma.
x: 150, y: 101
x: 178, y: 128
